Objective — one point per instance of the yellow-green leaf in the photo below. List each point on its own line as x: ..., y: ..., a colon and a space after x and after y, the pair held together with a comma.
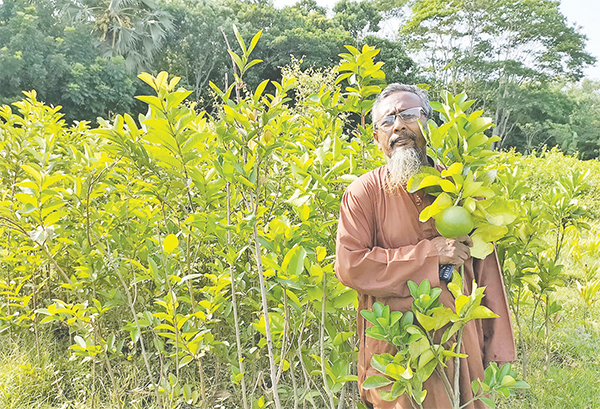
x: 440, y: 203
x: 170, y: 243
x: 428, y: 323
x: 460, y: 302
x: 482, y: 312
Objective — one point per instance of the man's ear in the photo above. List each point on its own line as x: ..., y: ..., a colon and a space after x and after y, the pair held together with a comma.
x: 377, y: 140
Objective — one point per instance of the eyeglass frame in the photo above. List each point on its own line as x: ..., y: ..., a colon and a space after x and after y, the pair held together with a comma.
x: 396, y: 115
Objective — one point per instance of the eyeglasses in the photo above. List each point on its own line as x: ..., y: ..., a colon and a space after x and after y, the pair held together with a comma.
x: 407, y: 116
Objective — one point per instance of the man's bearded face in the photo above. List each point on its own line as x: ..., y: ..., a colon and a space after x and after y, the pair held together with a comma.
x: 403, y: 163
x: 403, y: 143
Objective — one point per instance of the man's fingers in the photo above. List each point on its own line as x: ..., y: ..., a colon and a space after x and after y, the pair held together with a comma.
x: 462, y: 255
x: 453, y: 251
x: 465, y: 240
x: 464, y: 250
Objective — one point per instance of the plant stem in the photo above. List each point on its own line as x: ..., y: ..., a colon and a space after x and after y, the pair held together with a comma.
x: 322, y: 342
x: 294, y: 387
x: 171, y: 292
x: 265, y: 306
x: 547, y: 334
x: 202, y: 384
x: 137, y: 323
x: 307, y: 379
x: 286, y: 329
x: 109, y: 369
x: 469, y: 402
x: 521, y: 338
x: 456, y: 398
x: 445, y: 381
x: 236, y: 322
x: 342, y: 399
x: 456, y: 390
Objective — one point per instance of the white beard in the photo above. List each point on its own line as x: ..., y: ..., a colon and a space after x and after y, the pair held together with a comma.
x: 402, y: 165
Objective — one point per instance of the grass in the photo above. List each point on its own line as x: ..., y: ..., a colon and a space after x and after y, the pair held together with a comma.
x: 573, y: 377
x: 51, y: 380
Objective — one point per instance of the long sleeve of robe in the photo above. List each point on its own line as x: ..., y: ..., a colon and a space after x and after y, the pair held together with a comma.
x: 381, y: 245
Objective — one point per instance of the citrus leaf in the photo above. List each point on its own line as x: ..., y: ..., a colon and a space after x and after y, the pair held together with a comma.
x: 170, y: 243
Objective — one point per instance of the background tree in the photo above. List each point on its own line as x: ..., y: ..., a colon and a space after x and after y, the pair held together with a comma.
x: 39, y: 52
x: 133, y: 29
x: 195, y: 49
x: 358, y: 17
x: 584, y: 121
x: 495, y: 49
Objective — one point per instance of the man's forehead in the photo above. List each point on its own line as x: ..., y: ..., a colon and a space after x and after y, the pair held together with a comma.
x: 399, y: 100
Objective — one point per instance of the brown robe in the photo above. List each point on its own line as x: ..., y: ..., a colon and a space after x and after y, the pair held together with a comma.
x: 381, y: 244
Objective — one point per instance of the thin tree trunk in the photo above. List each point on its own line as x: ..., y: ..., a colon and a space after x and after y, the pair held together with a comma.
x: 236, y: 321
x: 322, y: 342
x: 263, y: 293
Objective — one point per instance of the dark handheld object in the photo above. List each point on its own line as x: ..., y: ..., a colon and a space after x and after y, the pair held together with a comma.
x: 446, y: 272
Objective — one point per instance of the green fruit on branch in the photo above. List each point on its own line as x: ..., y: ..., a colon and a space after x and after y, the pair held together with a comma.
x: 454, y: 221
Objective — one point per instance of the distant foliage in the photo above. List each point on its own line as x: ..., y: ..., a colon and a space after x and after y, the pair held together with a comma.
x: 542, y: 169
x: 62, y: 63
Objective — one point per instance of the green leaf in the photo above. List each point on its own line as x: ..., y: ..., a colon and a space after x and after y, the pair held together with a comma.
x: 520, y: 385
x: 80, y: 341
x: 170, y: 243
x: 453, y: 170
x: 460, y: 302
x: 254, y: 41
x: 481, y: 248
x: 482, y: 312
x: 369, y: 316
x: 452, y: 354
x: 293, y: 262
x: 429, y: 180
x: 345, y: 299
x: 259, y: 90
x: 508, y: 380
x: 176, y: 98
x: 240, y: 40
x: 414, y: 289
x: 440, y: 203
x: 428, y: 323
x: 398, y: 389
x: 471, y: 187
x: 375, y: 381
x: 380, y: 361
x: 489, y: 402
x: 184, y: 361
x: 342, y: 337
x: 414, y: 182
x: 441, y: 316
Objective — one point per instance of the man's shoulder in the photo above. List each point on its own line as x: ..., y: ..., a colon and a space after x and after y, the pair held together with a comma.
x: 371, y: 183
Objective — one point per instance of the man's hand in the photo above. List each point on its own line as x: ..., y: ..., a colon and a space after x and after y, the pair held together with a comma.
x: 453, y: 251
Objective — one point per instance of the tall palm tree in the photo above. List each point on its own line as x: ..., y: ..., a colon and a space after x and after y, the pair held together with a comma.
x: 133, y: 29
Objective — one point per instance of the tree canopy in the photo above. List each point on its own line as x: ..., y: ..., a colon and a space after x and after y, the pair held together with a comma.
x: 519, y: 59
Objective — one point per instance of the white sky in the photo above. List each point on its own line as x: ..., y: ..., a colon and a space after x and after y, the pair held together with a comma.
x: 583, y: 13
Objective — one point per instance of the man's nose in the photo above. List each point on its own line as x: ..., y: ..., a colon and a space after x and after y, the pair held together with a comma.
x: 399, y: 124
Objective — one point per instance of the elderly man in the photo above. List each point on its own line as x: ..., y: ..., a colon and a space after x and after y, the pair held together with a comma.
x: 381, y: 245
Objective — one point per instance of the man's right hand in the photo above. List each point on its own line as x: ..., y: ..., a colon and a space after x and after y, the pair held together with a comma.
x: 453, y: 251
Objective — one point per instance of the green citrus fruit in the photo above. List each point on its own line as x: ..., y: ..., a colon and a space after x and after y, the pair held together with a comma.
x: 454, y: 221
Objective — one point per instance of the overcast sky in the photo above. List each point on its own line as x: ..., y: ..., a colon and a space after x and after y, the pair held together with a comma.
x: 583, y: 13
